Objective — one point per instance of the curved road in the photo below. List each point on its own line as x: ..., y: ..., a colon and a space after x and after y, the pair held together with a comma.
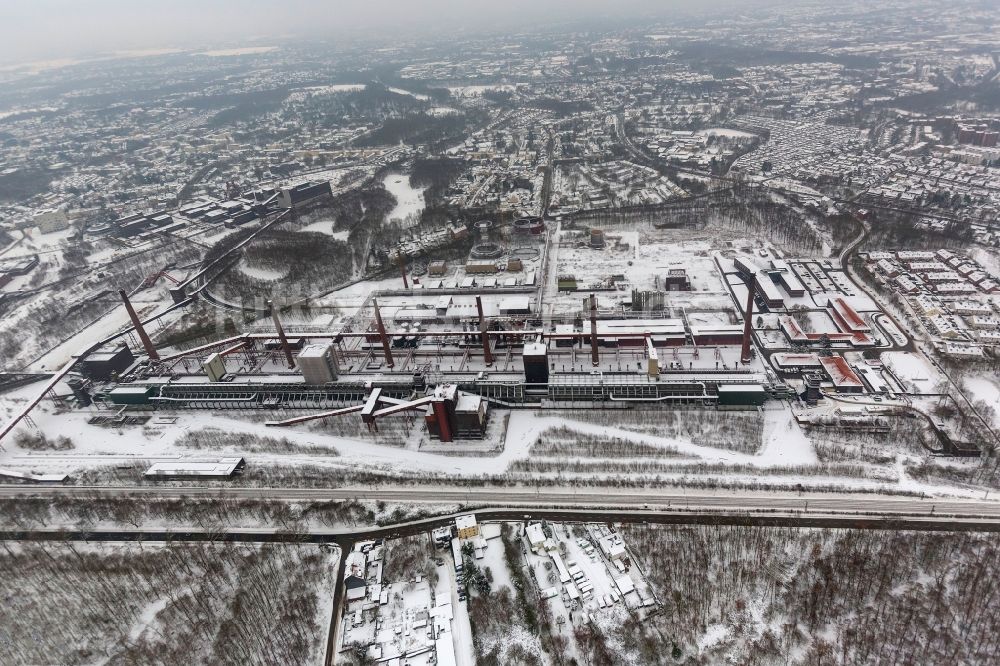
x: 845, y: 265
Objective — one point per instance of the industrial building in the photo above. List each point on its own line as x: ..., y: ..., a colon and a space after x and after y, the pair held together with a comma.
x: 622, y: 332
x: 303, y: 194
x: 104, y: 364
x: 318, y: 364
x: 844, y: 379
x: 718, y: 334
x: 766, y: 289
x: 787, y: 278
x: 676, y: 279
x: 742, y: 395
x: 450, y: 371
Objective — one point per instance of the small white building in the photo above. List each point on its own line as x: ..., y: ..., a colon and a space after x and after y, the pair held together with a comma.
x: 613, y: 547
x: 536, y: 536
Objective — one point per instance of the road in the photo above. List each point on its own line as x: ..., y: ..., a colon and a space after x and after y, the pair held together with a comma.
x: 846, y: 255
x: 718, y: 502
x: 655, y: 506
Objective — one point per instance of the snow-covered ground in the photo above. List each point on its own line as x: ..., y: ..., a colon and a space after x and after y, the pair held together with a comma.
x: 784, y: 442
x: 477, y: 91
x: 326, y: 227
x: 409, y: 200
x: 400, y: 91
x: 231, y: 53
x: 784, y: 445
x: 913, y: 370
x: 728, y: 133
x: 986, y: 389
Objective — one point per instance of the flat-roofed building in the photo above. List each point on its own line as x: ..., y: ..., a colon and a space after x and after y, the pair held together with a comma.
x: 317, y: 364
x: 767, y: 290
x: 466, y: 526
x: 630, y: 332
x: 103, y: 364
x: 515, y: 305
x: 741, y: 395
x: 787, y: 362
x: 220, y: 468
x: 718, y: 334
x: 787, y: 278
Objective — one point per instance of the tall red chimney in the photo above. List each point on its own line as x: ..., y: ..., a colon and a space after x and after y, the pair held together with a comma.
x: 440, y: 411
x: 748, y: 319
x: 595, y: 358
x: 401, y: 260
x: 386, y: 347
x: 140, y: 331
x: 487, y: 352
x: 281, y: 336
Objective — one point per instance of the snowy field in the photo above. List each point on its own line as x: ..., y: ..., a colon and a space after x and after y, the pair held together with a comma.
x: 916, y: 373
x: 409, y: 200
x: 784, y: 456
x: 987, y: 390
x: 326, y: 227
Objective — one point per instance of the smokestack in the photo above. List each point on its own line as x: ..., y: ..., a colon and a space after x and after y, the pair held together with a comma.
x: 386, y: 347
x: 401, y: 260
x: 140, y: 331
x: 440, y: 410
x: 595, y: 358
x: 487, y: 353
x: 281, y: 336
x: 748, y: 319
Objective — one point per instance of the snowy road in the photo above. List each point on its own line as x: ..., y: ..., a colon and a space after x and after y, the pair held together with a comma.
x: 660, y: 499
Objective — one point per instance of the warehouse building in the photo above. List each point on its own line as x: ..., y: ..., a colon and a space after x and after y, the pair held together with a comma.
x: 787, y: 278
x: 318, y: 364
x: 741, y: 395
x: 303, y: 194
x: 104, y: 364
x: 844, y: 379
x: 719, y: 334
x: 626, y: 332
x: 222, y: 468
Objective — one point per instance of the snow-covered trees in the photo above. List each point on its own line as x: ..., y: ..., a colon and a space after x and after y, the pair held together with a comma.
x: 823, y: 596
x: 193, y: 604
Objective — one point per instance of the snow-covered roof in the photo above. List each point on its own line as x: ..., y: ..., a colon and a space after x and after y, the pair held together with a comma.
x: 222, y: 467
x: 534, y: 349
x: 535, y: 534
x: 465, y: 522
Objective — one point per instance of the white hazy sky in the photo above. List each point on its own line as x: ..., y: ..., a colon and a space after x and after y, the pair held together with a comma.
x: 51, y: 29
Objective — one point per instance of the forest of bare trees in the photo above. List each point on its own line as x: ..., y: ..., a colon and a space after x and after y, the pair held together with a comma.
x: 242, y: 442
x: 812, y: 596
x: 506, y: 623
x: 217, y: 513
x: 69, y: 603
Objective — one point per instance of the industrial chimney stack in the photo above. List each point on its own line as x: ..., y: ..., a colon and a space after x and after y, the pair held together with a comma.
x: 140, y: 331
x: 748, y: 319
